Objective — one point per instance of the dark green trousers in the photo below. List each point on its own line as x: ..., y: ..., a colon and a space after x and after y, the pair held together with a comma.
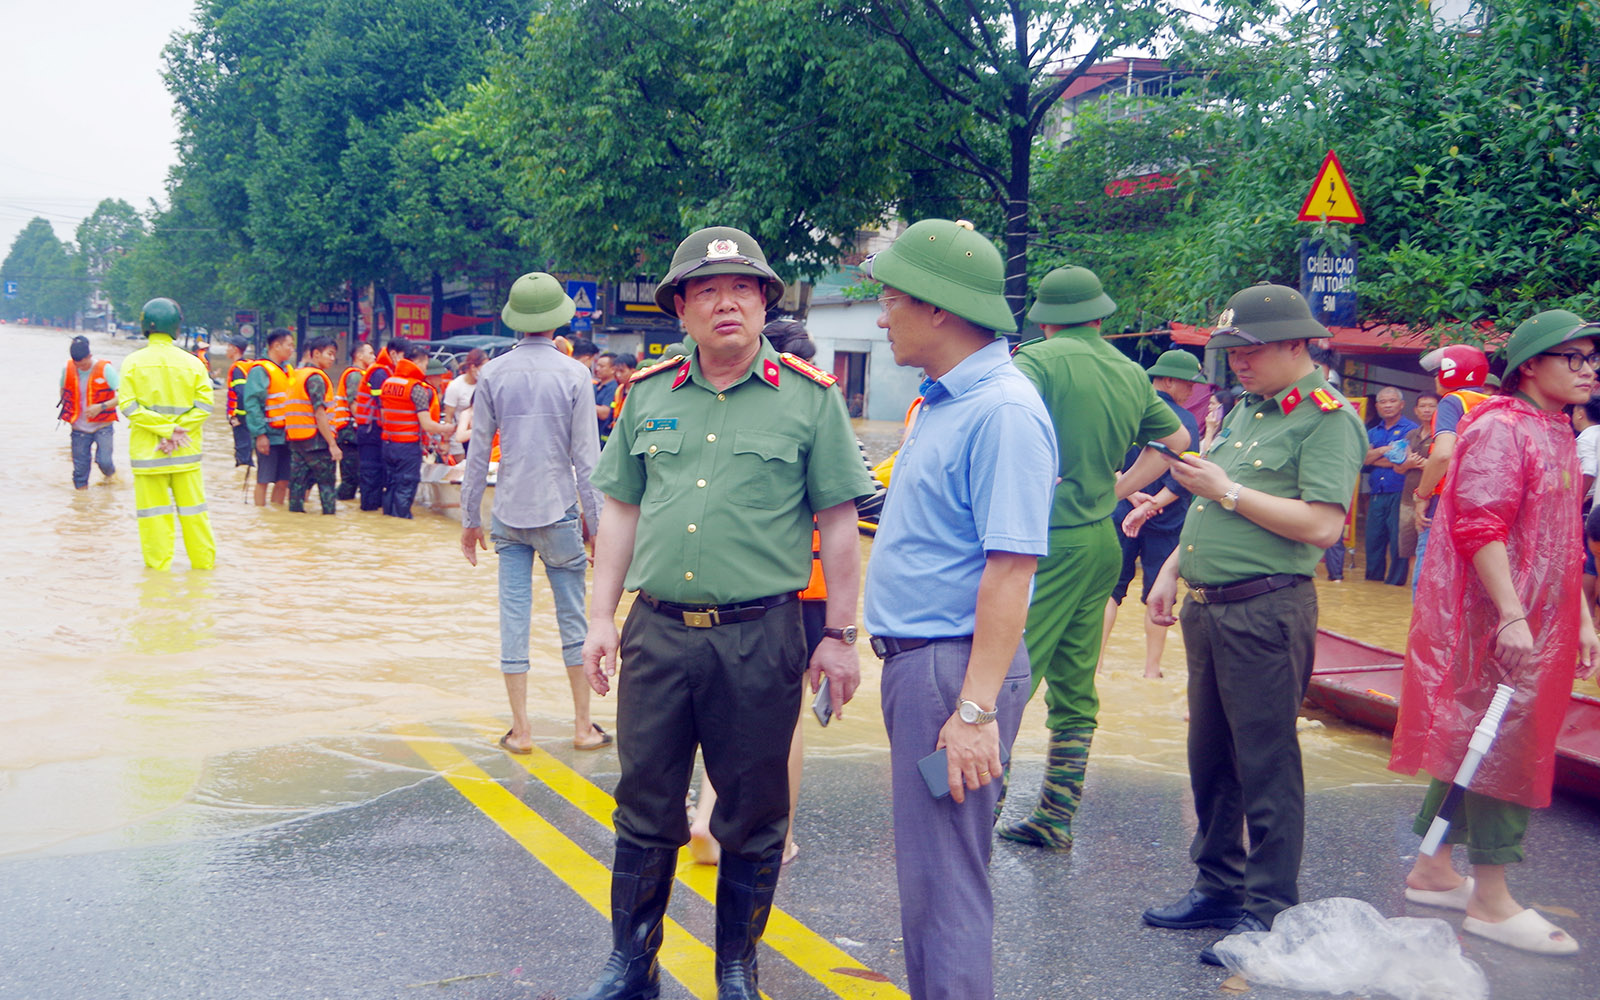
x: 1491, y: 828
x: 308, y: 469
x: 732, y: 690
x: 1249, y: 664
x: 1066, y: 619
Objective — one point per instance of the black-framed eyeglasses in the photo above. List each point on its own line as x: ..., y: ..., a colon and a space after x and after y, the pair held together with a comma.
x: 1575, y: 359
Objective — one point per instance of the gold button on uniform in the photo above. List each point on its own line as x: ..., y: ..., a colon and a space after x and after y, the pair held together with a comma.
x: 1258, y: 463
x: 688, y: 576
x: 693, y: 528
x: 721, y: 396
x: 652, y: 449
x: 1190, y: 548
x: 700, y: 483
x: 1259, y: 414
x: 1199, y: 507
x: 711, y: 437
x: 1238, y: 444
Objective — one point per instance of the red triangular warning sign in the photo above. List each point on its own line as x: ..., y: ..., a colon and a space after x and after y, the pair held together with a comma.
x: 1330, y: 197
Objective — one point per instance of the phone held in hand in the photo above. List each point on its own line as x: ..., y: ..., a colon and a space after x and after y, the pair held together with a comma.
x: 1164, y: 451
x: 935, y: 770
x: 822, y: 704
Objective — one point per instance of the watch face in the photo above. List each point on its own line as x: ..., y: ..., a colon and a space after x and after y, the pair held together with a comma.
x: 849, y: 634
x: 969, y: 712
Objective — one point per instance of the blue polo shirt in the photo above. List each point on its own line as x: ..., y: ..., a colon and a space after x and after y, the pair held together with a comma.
x: 976, y: 475
x: 1387, y: 480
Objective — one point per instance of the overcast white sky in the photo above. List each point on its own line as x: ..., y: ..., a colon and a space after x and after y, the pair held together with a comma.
x: 83, y: 112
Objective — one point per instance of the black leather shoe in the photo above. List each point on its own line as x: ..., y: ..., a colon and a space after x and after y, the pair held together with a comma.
x: 1195, y: 910
x: 1248, y: 922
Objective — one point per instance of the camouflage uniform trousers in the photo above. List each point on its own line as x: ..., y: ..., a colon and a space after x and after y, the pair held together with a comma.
x: 312, y: 468
x: 350, y: 464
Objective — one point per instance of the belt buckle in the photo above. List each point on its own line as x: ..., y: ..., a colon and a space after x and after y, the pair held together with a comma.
x: 879, y: 646
x: 701, y: 619
x: 1198, y: 593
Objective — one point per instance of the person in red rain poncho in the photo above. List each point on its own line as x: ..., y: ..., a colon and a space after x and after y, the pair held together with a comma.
x: 1501, y: 603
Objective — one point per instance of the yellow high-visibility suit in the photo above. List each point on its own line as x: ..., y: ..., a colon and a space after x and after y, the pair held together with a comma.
x: 165, y: 389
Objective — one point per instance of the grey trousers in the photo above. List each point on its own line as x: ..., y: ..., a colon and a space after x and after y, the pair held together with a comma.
x: 941, y: 848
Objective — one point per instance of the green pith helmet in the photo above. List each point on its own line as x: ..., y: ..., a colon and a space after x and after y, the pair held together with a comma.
x: 718, y: 250
x: 1542, y: 331
x: 161, y: 316
x: 1265, y: 314
x: 1178, y: 364
x: 436, y: 367
x: 537, y: 304
x: 1069, y: 296
x: 949, y: 265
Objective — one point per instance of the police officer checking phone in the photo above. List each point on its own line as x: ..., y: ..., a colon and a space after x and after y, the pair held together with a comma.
x: 1268, y: 501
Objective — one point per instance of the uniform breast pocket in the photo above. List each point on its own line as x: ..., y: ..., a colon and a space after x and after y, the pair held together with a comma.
x: 658, y: 450
x: 765, y: 470
x: 1272, y: 468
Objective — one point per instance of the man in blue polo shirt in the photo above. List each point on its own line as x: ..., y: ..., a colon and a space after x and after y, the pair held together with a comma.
x: 1384, y: 561
x: 946, y: 608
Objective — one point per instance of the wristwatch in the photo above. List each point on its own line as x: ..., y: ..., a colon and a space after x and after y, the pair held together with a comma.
x: 846, y: 635
x: 972, y: 714
x: 1230, y: 499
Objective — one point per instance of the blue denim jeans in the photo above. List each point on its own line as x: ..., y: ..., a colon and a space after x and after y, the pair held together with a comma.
x: 560, y: 545
x: 99, y: 439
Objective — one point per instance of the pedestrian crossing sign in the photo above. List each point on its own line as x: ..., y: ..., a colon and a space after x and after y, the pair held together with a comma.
x: 1330, y: 198
x: 583, y: 295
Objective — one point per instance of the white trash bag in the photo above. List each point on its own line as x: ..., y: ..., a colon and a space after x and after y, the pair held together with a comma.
x: 1345, y: 946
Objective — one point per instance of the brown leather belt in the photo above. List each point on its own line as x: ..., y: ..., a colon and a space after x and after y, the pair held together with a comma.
x: 885, y: 646
x: 711, y: 615
x: 1244, y: 589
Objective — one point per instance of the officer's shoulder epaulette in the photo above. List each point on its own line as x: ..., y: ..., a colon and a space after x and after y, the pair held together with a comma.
x: 808, y: 369
x: 1327, y: 402
x: 1026, y: 343
x: 659, y: 366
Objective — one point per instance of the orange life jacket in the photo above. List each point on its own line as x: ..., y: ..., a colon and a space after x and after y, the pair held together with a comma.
x: 1470, y: 398
x: 816, y: 589
x: 100, y: 391
x: 277, y: 402
x: 365, y: 407
x: 339, y: 409
x: 399, y: 413
x: 300, y: 422
x: 238, y: 374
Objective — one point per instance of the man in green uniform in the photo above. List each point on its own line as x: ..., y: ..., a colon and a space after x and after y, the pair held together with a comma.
x: 1268, y: 502
x: 314, y: 458
x: 712, y: 477
x: 262, y: 416
x: 1101, y: 404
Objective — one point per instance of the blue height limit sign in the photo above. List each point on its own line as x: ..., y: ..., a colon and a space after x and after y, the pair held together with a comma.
x: 1328, y: 282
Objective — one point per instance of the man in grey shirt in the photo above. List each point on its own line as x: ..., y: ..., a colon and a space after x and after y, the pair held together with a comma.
x: 541, y: 403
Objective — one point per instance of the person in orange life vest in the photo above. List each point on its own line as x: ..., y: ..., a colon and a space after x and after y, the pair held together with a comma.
x: 89, y: 406
x: 314, y: 450
x: 787, y: 336
x: 624, y: 367
x: 1462, y: 380
x: 410, y: 410
x: 437, y: 374
x: 347, y: 390
x: 365, y: 412
x: 265, y: 396
x: 238, y: 370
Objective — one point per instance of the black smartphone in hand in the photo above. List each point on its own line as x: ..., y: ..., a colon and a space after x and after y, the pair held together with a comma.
x: 1164, y: 451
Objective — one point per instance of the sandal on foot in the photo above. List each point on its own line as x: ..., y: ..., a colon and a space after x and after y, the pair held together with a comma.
x: 505, y: 744
x: 1527, y: 931
x: 1449, y: 899
x: 603, y: 741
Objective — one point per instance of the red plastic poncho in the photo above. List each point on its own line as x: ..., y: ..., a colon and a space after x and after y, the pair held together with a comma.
x: 1513, y: 478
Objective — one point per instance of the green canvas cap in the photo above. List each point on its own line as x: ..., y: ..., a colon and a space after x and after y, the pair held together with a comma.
x: 538, y: 304
x: 1265, y: 314
x: 718, y: 250
x: 1176, y: 363
x: 1542, y: 331
x: 950, y: 265
x: 1069, y: 296
x: 436, y: 367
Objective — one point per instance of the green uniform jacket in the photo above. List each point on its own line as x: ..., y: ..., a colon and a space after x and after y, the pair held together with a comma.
x: 163, y: 389
x: 1101, y: 404
x: 1305, y: 443
x: 727, y: 481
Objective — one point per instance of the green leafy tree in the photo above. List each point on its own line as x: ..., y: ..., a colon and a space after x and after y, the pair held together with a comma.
x: 182, y: 257
x: 111, y: 230
x: 51, y: 285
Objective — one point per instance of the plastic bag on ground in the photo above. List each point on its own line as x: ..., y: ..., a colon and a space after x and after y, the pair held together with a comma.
x: 1345, y: 946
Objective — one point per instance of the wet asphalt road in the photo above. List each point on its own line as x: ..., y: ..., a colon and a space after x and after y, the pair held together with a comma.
x: 417, y: 892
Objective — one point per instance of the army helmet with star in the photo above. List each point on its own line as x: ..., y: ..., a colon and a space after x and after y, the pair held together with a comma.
x: 717, y: 250
x: 1265, y: 314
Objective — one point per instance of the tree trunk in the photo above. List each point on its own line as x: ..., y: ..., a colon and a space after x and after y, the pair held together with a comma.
x: 1016, y: 210
x: 436, y: 328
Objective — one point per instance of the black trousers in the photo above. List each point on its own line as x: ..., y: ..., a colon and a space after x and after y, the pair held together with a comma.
x: 349, y: 464
x: 244, y: 446
x: 374, y: 475
x: 732, y: 690
x: 403, y: 466
x: 1249, y: 664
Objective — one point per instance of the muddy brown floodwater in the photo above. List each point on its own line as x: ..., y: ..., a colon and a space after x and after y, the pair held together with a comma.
x: 138, y: 707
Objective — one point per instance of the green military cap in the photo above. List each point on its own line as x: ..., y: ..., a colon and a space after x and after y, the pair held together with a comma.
x: 950, y: 265
x: 160, y: 316
x: 1176, y: 363
x: 1542, y: 331
x: 1068, y: 296
x: 1265, y: 314
x: 436, y: 367
x: 718, y: 250
x: 537, y: 304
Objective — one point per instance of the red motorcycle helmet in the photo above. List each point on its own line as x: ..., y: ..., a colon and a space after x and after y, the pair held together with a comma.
x: 1458, y: 366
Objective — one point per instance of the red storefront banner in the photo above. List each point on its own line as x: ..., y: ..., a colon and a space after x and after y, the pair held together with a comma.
x: 413, y: 316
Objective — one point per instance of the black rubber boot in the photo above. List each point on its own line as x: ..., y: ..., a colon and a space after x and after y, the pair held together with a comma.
x: 641, y: 884
x: 744, y: 899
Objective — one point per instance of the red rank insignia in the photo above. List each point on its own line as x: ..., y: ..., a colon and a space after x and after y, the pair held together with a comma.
x: 683, y: 375
x: 1327, y: 402
x: 1290, y: 401
x: 770, y: 372
x: 808, y: 369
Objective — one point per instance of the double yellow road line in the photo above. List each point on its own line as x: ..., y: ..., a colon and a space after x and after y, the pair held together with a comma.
x: 683, y: 956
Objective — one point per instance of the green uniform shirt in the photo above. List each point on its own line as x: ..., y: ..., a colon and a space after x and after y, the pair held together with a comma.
x: 727, y: 481
x: 1289, y: 446
x: 1102, y: 404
